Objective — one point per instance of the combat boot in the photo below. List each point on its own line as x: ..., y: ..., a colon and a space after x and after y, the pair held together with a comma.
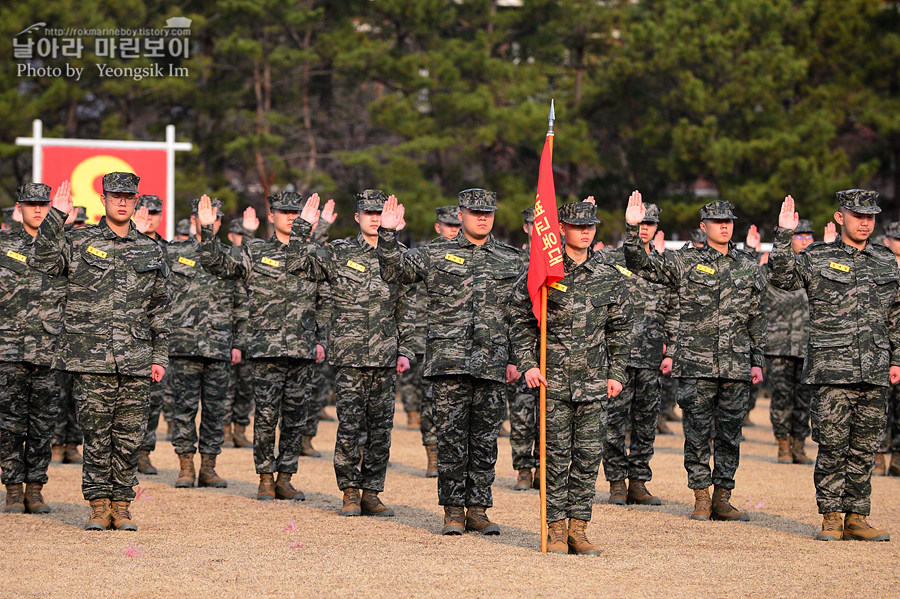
x: 478, y: 521
x: 857, y: 529
x: 798, y: 451
x: 894, y: 470
x: 702, y: 505
x: 34, y: 501
x: 57, y: 453
x: 266, y: 489
x: 722, y: 508
x: 351, y: 505
x: 413, y: 420
x: 784, y: 451
x: 454, y: 520
x: 525, y: 480
x: 15, y: 499
x: 431, y: 468
x: 371, y: 505
x: 578, y: 541
x: 661, y: 427
x: 671, y: 415
x: 618, y: 492
x: 285, y: 490
x: 638, y: 493
x: 144, y: 464
x: 208, y: 476
x: 121, y: 516
x: 226, y: 429
x: 186, y: 473
x: 239, y: 436
x: 72, y: 455
x: 879, y: 465
x: 307, y: 449
x: 832, y: 527
x: 556, y: 537
x: 101, y: 514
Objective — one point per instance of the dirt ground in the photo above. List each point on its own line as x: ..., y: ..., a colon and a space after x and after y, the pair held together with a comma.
x: 222, y: 543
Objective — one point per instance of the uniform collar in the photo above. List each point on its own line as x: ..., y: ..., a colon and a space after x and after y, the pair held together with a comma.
x: 110, y: 234
x: 463, y: 241
x: 715, y: 253
x: 362, y: 243
x: 570, y: 265
x: 849, y: 249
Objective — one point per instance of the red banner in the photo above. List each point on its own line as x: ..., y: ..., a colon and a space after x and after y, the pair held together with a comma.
x: 546, y: 263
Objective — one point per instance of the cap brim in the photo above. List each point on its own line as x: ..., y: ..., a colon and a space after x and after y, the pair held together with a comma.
x: 120, y: 190
x: 863, y: 209
x: 449, y: 221
x: 480, y: 208
x: 655, y: 221
x: 579, y: 222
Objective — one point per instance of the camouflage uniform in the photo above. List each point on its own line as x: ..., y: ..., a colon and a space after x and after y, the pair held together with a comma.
x: 67, y: 430
x: 589, y: 325
x: 116, y: 325
x: 369, y: 327
x: 854, y: 309
x: 239, y: 396
x: 279, y: 335
x: 636, y: 408
x: 466, y: 347
x: 717, y: 334
x: 891, y: 440
x: 31, y: 305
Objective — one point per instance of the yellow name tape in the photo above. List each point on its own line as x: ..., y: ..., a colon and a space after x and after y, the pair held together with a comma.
x: 706, y: 269
x: 839, y: 267
x: 16, y: 256
x: 99, y: 253
x: 356, y: 266
x: 562, y: 288
x: 624, y: 270
x: 270, y: 262
x: 455, y: 259
x: 187, y: 261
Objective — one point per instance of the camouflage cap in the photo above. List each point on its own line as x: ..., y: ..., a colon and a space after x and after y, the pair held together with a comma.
x: 183, y: 227
x: 7, y: 214
x: 33, y: 192
x: 80, y: 215
x: 216, y: 203
x: 804, y: 225
x: 858, y: 200
x: 651, y: 213
x: 370, y: 200
x: 448, y: 215
x: 892, y: 230
x: 482, y: 200
x: 698, y: 236
x: 718, y: 210
x: 152, y: 202
x: 528, y: 215
x: 236, y: 226
x: 120, y: 182
x: 578, y: 213
x: 285, y: 200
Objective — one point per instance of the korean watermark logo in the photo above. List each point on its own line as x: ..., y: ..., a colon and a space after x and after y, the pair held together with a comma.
x: 38, y: 50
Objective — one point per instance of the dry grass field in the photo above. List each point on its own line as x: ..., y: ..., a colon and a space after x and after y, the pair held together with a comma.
x: 202, y: 543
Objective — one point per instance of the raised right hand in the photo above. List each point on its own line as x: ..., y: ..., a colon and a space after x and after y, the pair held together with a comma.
x: 830, y: 233
x: 788, y: 218
x: 62, y: 201
x: 635, y: 212
x: 206, y: 214
x: 392, y: 213
x: 310, y: 212
x: 250, y: 223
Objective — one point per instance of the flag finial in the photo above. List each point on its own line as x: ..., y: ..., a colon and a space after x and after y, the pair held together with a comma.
x: 551, y: 119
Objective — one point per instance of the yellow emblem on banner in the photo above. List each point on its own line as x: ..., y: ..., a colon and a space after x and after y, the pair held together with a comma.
x: 706, y: 269
x: 187, y: 261
x: 356, y: 266
x: 839, y: 267
x: 270, y: 262
x: 16, y: 256
x: 624, y: 270
x: 99, y: 253
x: 559, y: 287
x: 455, y: 259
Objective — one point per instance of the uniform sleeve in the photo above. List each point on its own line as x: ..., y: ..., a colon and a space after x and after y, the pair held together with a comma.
x: 52, y: 251
x: 397, y: 266
x: 240, y: 314
x: 216, y: 260
x: 405, y: 314
x: 159, y: 313
x: 323, y: 313
x: 523, y: 326
x: 756, y: 325
x: 671, y: 324
x: 787, y: 270
x: 664, y: 269
x: 304, y: 257
x: 320, y: 235
x: 619, y: 327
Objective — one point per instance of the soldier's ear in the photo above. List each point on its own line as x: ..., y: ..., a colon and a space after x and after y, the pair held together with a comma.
x: 271, y: 217
x: 703, y: 226
x: 356, y: 216
x: 839, y: 218
x: 437, y: 228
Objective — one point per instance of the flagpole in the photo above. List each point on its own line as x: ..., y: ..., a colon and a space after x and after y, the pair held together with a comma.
x: 542, y: 406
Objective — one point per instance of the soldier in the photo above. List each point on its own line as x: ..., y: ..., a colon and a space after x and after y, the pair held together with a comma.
x: 787, y: 334
x: 469, y: 280
x: 31, y: 307
x: 589, y: 324
x: 637, y: 408
x: 80, y: 217
x: 114, y: 338
x: 715, y: 345
x: 854, y: 351
x: 182, y: 230
x: 891, y: 442
x: 202, y: 349
x: 12, y: 218
x: 368, y: 344
x: 279, y: 336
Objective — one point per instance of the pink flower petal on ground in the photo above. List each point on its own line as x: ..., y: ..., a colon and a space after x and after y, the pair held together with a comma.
x: 290, y: 525
x: 759, y: 505
x: 132, y: 551
x: 298, y: 545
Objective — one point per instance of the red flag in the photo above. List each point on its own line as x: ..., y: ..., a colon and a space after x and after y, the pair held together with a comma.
x: 545, y: 265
